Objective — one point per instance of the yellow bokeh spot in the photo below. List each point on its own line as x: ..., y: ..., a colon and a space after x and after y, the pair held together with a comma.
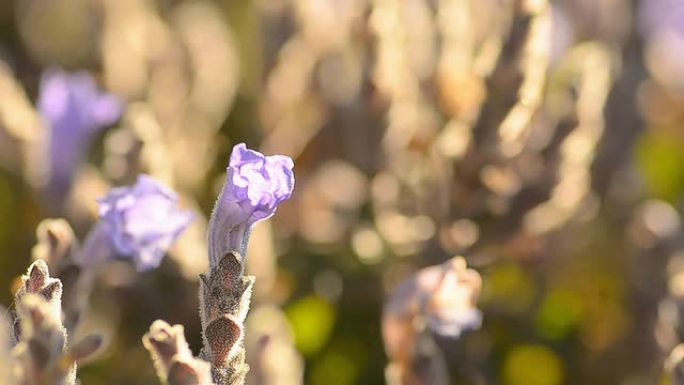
x: 659, y: 159
x: 509, y: 288
x: 312, y: 320
x: 334, y: 369
x: 559, y: 313
x: 532, y: 365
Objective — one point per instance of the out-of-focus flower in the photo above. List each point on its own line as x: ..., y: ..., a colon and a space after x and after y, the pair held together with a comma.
x: 143, y: 221
x: 451, y: 306
x: 662, y: 25
x: 255, y: 186
x: 437, y: 299
x: 74, y: 109
x: 444, y: 296
x: 674, y: 365
x: 659, y: 15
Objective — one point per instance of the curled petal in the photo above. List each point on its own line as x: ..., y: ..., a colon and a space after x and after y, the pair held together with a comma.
x: 254, y: 187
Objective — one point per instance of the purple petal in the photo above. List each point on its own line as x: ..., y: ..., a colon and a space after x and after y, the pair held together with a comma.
x: 255, y: 186
x: 143, y: 221
x: 241, y: 155
x: 74, y: 109
x: 106, y: 110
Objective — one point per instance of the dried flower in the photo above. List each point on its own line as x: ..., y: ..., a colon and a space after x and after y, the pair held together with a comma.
x: 255, y: 186
x: 143, y: 221
x: 74, y: 110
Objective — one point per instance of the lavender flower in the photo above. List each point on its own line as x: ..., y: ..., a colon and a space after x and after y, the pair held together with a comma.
x: 143, y: 221
x: 255, y: 186
x: 74, y: 109
x: 257, y: 183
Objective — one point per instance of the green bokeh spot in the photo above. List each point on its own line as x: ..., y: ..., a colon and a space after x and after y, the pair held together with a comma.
x: 334, y: 368
x: 312, y: 321
x: 559, y: 313
x: 660, y: 159
x: 8, y: 208
x: 509, y: 288
x: 532, y: 365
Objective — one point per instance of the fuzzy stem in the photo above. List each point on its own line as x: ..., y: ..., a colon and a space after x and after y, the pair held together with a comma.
x: 224, y: 302
x: 96, y: 250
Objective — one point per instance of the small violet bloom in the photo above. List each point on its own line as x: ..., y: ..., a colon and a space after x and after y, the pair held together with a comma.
x: 74, y: 110
x: 255, y: 186
x: 143, y: 221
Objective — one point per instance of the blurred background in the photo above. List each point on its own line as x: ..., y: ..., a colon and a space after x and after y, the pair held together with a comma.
x: 541, y: 140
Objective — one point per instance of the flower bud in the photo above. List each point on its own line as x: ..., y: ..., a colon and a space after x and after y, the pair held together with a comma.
x: 255, y: 186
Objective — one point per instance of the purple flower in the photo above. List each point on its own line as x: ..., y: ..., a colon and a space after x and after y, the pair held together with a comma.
x: 257, y: 183
x: 255, y: 186
x: 143, y: 221
x: 74, y: 109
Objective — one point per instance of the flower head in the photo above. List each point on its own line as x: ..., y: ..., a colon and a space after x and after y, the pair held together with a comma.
x: 143, y: 221
x: 74, y: 109
x: 255, y: 186
x: 259, y: 183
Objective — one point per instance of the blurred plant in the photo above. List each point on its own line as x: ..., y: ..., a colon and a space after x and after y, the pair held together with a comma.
x: 437, y: 299
x: 73, y: 109
x: 674, y: 364
x: 172, y: 356
x: 43, y: 354
x: 499, y: 130
x: 142, y: 221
